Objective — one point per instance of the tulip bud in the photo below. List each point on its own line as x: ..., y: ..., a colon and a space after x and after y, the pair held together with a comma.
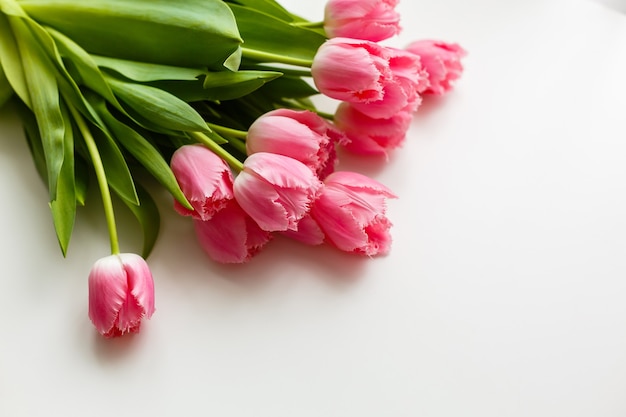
x: 275, y: 190
x: 204, y: 178
x: 442, y: 62
x: 372, y: 20
x: 231, y: 236
x: 121, y: 294
x: 368, y: 136
x: 351, y: 210
x: 302, y: 135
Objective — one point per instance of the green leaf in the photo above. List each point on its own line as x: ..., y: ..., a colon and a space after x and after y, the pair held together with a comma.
x: 146, y: 72
x: 43, y: 90
x: 115, y: 166
x: 269, y: 7
x: 292, y: 87
x: 82, y: 179
x: 188, y: 33
x: 264, y: 33
x: 147, y: 214
x: 11, y: 61
x: 158, y: 107
x: 218, y: 86
x: 33, y: 138
x: 5, y: 88
x: 63, y: 207
x: 85, y: 65
x: 66, y: 84
x: 140, y: 148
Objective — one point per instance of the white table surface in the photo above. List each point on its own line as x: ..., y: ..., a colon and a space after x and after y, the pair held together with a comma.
x: 504, y: 293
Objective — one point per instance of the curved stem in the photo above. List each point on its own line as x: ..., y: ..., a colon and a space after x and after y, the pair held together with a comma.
x: 102, y: 179
x: 227, y: 131
x: 234, y: 163
x: 308, y: 25
x: 286, y: 71
x: 238, y: 144
x: 270, y: 57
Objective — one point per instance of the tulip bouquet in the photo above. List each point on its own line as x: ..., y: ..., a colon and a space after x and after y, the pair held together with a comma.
x: 215, y: 100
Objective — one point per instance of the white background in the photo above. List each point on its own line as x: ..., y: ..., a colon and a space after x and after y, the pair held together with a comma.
x: 503, y: 295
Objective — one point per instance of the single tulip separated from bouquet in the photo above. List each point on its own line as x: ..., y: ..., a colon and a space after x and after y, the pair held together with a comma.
x: 121, y: 294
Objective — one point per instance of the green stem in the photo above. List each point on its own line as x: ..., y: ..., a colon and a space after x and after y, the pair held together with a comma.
x: 308, y: 25
x: 325, y: 115
x: 227, y: 131
x: 234, y: 163
x: 238, y: 144
x: 287, y: 71
x: 270, y: 57
x: 102, y: 179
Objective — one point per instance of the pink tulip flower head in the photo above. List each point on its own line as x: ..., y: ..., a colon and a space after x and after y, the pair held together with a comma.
x: 372, y: 20
x: 351, y: 70
x: 402, y: 93
x: 442, y: 61
x: 379, y: 81
x: 368, y: 136
x: 205, y: 179
x: 231, y: 236
x: 309, y: 232
x: 351, y: 210
x: 275, y: 190
x: 121, y: 294
x: 301, y: 135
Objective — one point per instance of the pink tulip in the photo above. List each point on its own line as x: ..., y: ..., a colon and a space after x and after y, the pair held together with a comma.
x: 231, y: 236
x: 301, y: 135
x: 309, y: 232
x: 121, y: 294
x: 409, y: 79
x: 442, y: 61
x: 372, y: 20
x: 368, y: 136
x: 351, y: 210
x: 379, y: 81
x: 275, y: 190
x: 205, y: 179
x: 351, y: 70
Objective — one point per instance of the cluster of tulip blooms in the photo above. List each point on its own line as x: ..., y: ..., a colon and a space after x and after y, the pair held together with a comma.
x: 265, y: 162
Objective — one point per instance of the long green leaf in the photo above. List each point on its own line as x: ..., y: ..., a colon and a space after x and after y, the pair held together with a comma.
x: 160, y: 108
x: 86, y: 67
x: 217, y: 86
x: 147, y: 214
x: 63, y: 207
x: 140, y: 148
x: 146, y: 72
x: 5, y: 88
x: 11, y: 61
x: 187, y: 33
x: 33, y: 139
x: 44, y: 93
x: 264, y: 33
